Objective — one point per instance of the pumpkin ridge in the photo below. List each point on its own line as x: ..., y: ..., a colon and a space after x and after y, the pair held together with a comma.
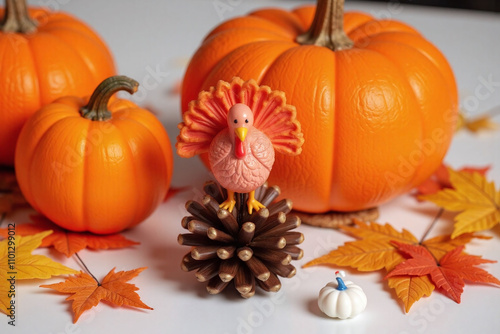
x: 229, y: 59
x: 192, y: 73
x: 85, y: 185
x: 418, y: 167
x: 31, y: 164
x: 123, y: 139
x: 422, y: 51
x: 67, y: 22
x: 362, y: 33
x: 423, y: 124
x: 150, y: 131
x: 37, y: 70
x: 356, y: 26
x: 331, y: 197
x: 227, y: 25
x: 74, y: 30
x: 291, y: 24
x: 84, y: 62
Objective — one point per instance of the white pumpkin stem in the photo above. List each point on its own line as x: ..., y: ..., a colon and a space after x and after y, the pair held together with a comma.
x: 340, y: 282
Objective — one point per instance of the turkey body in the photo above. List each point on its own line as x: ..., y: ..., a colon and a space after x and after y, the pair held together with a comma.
x: 244, y: 174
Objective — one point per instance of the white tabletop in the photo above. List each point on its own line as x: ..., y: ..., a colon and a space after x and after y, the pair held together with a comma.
x: 160, y: 36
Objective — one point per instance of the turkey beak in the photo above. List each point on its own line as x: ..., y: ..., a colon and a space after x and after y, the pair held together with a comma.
x: 241, y: 133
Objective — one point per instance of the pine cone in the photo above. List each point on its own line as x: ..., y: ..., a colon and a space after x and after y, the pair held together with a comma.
x: 237, y: 247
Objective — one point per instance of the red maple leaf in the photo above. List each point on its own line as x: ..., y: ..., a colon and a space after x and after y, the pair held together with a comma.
x: 448, y: 274
x: 68, y: 242
x: 441, y: 179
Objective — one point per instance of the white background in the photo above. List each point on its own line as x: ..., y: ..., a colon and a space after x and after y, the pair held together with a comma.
x: 160, y: 36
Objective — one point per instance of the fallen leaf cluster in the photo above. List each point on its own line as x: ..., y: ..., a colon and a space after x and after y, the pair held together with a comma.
x: 401, y: 254
x: 24, y: 265
x: 86, y: 291
x: 67, y: 242
x: 415, y: 268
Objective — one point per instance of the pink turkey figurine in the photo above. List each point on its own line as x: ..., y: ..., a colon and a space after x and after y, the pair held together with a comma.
x: 240, y: 125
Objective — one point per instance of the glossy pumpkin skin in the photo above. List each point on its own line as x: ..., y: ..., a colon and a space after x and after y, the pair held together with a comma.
x: 377, y: 118
x: 97, y: 176
x: 63, y: 57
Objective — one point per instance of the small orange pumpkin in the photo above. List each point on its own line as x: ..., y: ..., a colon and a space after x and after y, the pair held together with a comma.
x: 377, y: 102
x: 45, y: 55
x: 94, y: 167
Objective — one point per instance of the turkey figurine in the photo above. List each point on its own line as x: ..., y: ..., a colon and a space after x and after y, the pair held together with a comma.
x: 240, y: 125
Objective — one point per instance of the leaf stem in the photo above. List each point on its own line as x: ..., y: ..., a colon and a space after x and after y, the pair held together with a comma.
x: 87, y: 269
x: 439, y: 214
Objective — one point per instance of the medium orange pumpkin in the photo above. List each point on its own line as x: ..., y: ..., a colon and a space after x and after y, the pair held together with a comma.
x: 94, y: 167
x: 45, y: 55
x: 377, y: 103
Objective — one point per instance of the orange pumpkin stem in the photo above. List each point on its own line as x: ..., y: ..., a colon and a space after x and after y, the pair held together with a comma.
x: 327, y: 28
x: 97, y: 107
x: 17, y: 18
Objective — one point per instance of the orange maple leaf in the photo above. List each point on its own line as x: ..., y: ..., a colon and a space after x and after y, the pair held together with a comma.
x: 441, y: 179
x: 448, y: 274
x: 86, y: 292
x: 68, y: 242
x: 373, y: 252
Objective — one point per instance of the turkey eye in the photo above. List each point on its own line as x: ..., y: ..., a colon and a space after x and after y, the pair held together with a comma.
x: 246, y: 121
x: 235, y: 121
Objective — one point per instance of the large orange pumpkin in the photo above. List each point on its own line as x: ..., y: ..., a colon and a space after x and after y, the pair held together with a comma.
x: 377, y: 103
x: 94, y: 167
x: 44, y: 55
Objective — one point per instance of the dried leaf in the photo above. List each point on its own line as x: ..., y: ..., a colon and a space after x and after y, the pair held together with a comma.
x: 373, y: 252
x: 86, y: 292
x: 441, y: 179
x: 68, y: 242
x: 476, y: 124
x: 475, y: 197
x: 24, y: 265
x: 448, y: 274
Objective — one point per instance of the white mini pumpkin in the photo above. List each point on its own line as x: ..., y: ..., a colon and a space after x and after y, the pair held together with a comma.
x: 342, y: 299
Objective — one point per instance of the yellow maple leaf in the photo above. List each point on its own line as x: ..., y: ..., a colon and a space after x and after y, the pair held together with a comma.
x: 17, y: 262
x: 475, y: 197
x: 476, y: 124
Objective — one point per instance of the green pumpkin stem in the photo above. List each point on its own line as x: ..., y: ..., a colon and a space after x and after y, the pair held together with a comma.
x: 16, y: 18
x: 97, y: 107
x: 327, y: 28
